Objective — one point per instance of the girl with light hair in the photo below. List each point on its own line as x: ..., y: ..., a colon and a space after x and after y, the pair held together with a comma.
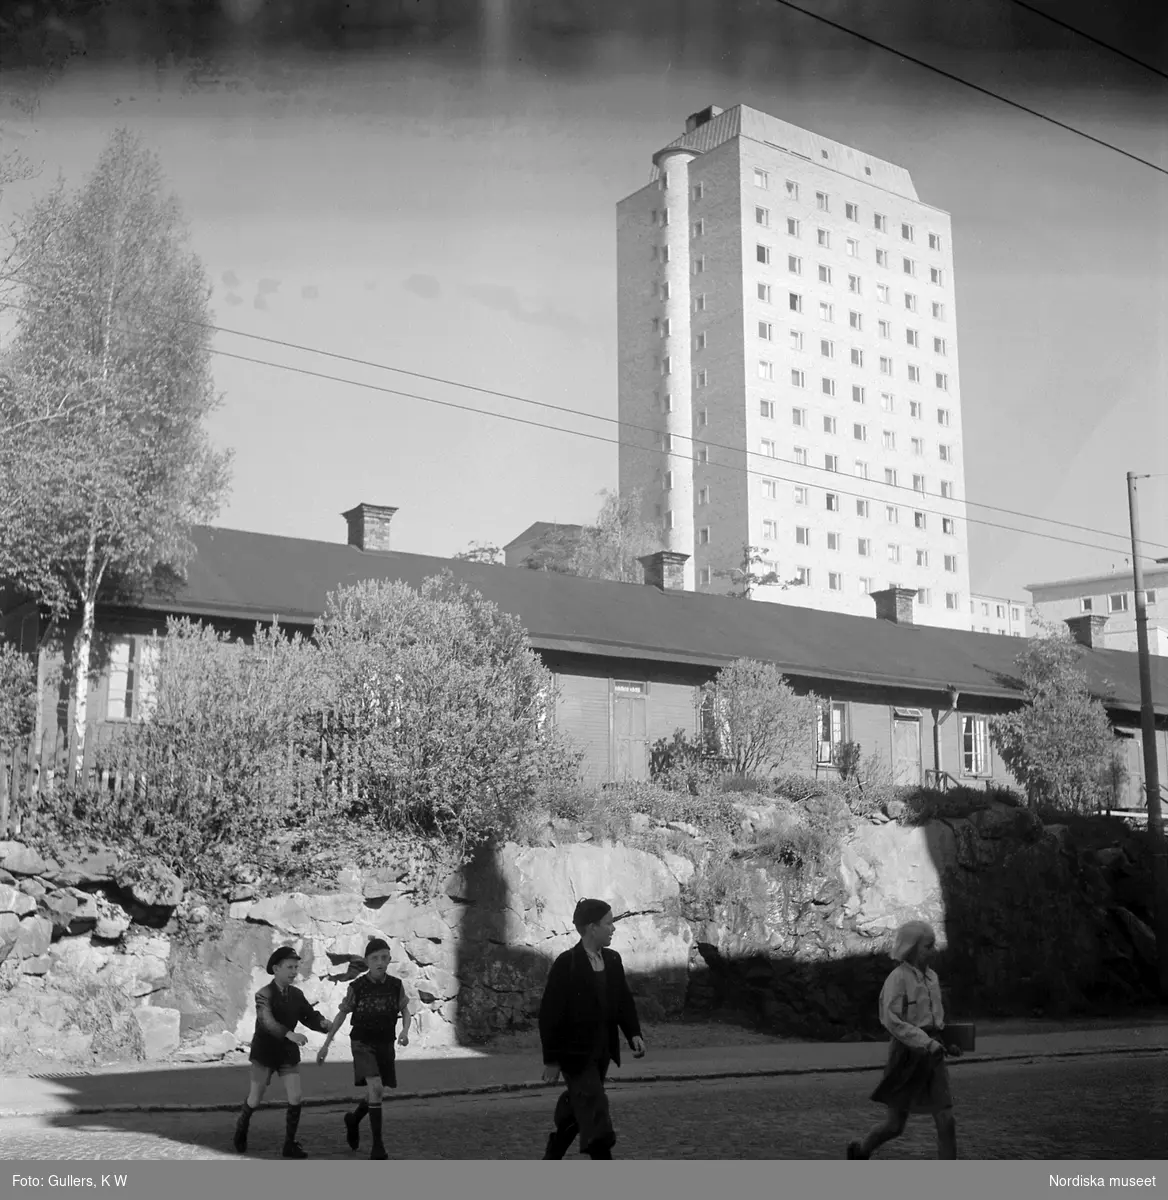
x: 916, y: 1079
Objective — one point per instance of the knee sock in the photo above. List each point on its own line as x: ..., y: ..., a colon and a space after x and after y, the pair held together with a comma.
x: 292, y: 1122
x: 375, y: 1124
x: 241, y: 1125
x: 360, y: 1111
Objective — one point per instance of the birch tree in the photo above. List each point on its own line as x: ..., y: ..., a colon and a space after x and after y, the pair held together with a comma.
x: 610, y: 548
x: 109, y: 383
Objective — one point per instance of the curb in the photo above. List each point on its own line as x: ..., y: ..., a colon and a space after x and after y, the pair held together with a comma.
x: 536, y: 1085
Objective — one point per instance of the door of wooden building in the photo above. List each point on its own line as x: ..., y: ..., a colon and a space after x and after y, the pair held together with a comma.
x: 630, y: 726
x: 906, y: 747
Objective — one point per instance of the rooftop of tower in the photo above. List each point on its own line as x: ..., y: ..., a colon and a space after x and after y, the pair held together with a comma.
x: 712, y: 126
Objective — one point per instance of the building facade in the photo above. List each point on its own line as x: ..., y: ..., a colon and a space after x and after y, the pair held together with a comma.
x: 997, y: 614
x: 630, y: 660
x: 788, y: 368
x: 1111, y: 596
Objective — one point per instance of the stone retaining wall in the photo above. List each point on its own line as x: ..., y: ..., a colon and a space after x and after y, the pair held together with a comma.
x: 93, y: 971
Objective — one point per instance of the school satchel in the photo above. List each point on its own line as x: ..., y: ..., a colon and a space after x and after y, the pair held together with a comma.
x: 963, y: 1035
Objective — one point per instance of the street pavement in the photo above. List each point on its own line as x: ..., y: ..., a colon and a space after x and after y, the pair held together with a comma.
x: 191, y: 1088
x: 1105, y: 1106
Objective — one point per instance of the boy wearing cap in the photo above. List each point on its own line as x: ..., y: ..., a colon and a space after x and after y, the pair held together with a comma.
x: 275, y: 1046
x: 586, y: 1005
x: 375, y: 1000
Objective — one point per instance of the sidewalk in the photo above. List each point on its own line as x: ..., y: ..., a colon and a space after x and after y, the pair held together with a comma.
x: 218, y: 1087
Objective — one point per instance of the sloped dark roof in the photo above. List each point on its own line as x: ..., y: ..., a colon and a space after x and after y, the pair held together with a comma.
x: 253, y: 576
x: 539, y: 529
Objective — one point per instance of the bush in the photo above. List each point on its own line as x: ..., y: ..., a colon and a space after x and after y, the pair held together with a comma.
x: 17, y: 694
x: 713, y: 815
x: 417, y: 723
x: 922, y: 805
x: 795, y: 787
x: 222, y: 764
x: 685, y: 766
x: 828, y: 820
x: 724, y: 878
x: 567, y: 800
x: 743, y: 784
x: 441, y: 710
x: 1060, y: 745
x: 755, y: 719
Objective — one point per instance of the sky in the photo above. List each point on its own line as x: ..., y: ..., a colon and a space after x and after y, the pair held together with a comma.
x: 434, y: 190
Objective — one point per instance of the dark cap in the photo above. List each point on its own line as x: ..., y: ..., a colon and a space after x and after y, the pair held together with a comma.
x: 589, y: 911
x: 376, y: 944
x: 279, y: 956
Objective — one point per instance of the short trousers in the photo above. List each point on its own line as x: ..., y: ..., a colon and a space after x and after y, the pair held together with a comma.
x: 276, y: 1056
x: 373, y: 1060
x: 283, y: 1071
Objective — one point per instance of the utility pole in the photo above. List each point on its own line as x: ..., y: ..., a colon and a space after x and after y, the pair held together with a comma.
x: 1151, y: 765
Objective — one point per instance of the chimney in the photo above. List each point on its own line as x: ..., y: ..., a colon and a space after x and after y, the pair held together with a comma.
x: 1087, y: 630
x: 369, y: 526
x: 701, y: 118
x: 665, y: 569
x: 895, y: 604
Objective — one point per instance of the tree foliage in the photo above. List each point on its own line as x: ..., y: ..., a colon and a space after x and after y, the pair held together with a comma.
x: 610, y: 548
x: 411, y: 714
x: 17, y: 695
x: 446, y: 706
x: 481, y: 552
x: 754, y: 571
x: 757, y: 721
x: 1059, y: 745
x: 555, y: 550
x: 106, y: 386
x: 227, y: 754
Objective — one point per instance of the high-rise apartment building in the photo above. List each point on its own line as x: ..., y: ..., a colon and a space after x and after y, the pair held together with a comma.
x: 788, y: 368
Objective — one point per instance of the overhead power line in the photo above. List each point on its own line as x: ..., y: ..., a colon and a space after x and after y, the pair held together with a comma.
x: 920, y: 62
x: 673, y: 454
x: 898, y: 492
x: 576, y: 412
x: 1131, y: 58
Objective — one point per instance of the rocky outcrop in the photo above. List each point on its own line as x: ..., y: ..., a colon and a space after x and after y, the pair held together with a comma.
x: 1030, y: 919
x: 96, y: 969
x: 473, y: 959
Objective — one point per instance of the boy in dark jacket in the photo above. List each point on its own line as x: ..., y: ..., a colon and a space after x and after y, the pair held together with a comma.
x: 275, y: 1046
x: 586, y: 1005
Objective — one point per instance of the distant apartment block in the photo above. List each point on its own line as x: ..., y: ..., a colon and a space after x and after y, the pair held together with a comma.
x: 997, y: 614
x: 788, y: 368
x: 1111, y: 597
